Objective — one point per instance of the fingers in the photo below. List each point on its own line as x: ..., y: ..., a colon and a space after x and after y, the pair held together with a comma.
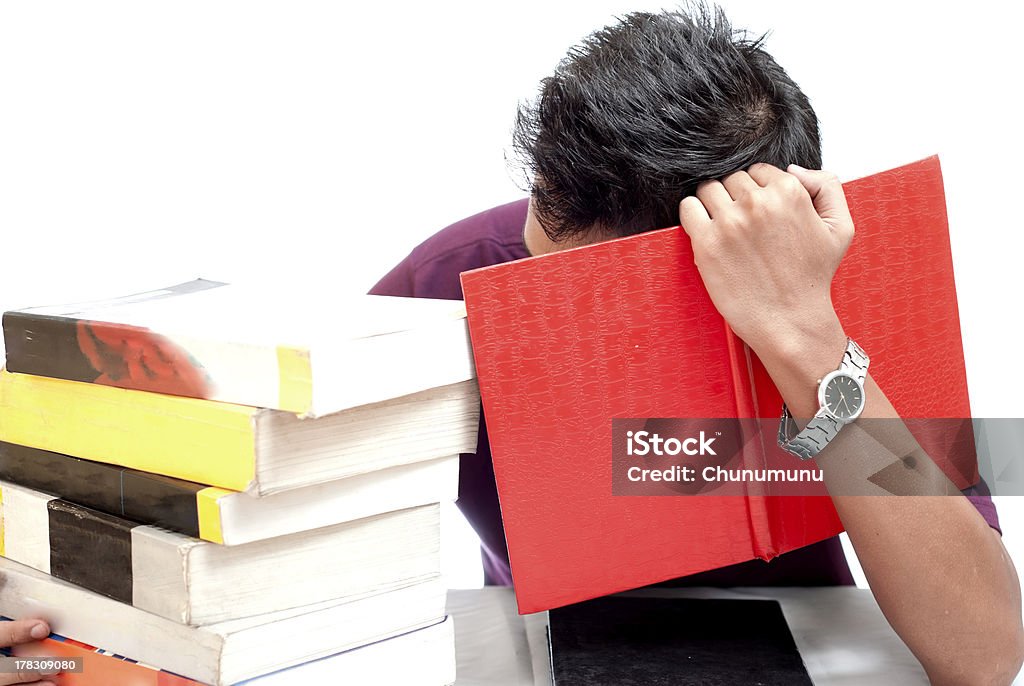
x: 824, y: 187
x: 26, y: 678
x: 715, y: 197
x: 740, y: 184
x: 827, y: 195
x: 14, y: 633
x: 693, y: 216
x: 718, y: 200
x: 766, y: 175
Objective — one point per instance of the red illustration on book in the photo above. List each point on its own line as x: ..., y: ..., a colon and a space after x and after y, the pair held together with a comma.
x: 135, y: 357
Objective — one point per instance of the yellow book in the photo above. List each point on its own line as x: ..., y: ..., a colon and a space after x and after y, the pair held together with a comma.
x: 234, y: 447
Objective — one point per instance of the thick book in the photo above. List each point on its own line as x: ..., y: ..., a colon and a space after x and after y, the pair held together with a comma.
x: 265, y: 347
x: 222, y: 516
x: 673, y: 642
x: 198, y: 582
x: 425, y: 657
x: 227, y: 652
x: 234, y: 447
x: 566, y: 342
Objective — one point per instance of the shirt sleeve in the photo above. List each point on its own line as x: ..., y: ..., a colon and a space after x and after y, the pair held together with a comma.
x: 433, y: 267
x: 982, y: 500
x: 399, y: 281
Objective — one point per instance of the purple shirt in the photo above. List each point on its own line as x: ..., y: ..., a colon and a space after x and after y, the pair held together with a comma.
x: 432, y: 271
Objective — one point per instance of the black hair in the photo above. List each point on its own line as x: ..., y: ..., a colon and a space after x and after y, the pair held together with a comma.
x: 642, y: 111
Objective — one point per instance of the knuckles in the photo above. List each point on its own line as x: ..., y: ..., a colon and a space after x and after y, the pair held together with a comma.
x: 702, y: 187
x: 827, y: 178
x: 759, y: 209
x: 791, y: 187
x: 754, y: 202
x: 9, y: 635
x: 761, y: 166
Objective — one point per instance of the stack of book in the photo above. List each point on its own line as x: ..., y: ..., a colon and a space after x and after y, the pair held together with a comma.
x: 213, y: 485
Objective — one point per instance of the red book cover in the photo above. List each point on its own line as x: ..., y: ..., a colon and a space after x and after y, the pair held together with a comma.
x: 566, y: 342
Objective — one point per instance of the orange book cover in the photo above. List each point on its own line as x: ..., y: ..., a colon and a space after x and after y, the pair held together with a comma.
x: 564, y: 343
x: 99, y: 667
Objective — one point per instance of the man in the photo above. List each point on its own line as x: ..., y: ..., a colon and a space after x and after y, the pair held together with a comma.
x: 659, y: 108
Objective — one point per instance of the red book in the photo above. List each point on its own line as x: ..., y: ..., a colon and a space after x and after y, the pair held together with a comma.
x: 568, y: 341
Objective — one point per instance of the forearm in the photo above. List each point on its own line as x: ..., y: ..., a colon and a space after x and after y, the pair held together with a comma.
x: 943, y: 580
x: 939, y: 573
x: 768, y: 244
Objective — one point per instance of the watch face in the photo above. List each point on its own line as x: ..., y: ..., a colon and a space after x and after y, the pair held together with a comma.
x: 843, y: 397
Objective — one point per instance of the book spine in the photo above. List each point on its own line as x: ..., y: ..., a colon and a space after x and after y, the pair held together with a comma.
x: 137, y: 358
x: 60, y: 344
x: 201, y: 441
x: 69, y: 542
x: 145, y: 498
x: 753, y: 451
x: 45, y: 345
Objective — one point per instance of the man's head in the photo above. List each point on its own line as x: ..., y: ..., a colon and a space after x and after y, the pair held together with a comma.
x: 641, y: 112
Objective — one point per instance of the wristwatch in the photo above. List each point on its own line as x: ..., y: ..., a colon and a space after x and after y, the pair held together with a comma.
x: 841, y: 396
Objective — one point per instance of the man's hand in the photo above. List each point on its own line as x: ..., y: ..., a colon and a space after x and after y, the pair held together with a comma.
x: 16, y: 633
x: 767, y: 244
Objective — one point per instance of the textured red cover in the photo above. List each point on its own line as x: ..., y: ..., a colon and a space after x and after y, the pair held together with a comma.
x: 566, y: 342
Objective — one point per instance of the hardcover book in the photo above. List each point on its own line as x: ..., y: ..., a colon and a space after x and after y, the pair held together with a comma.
x: 260, y: 347
x: 234, y: 447
x: 566, y: 342
x: 197, y: 582
x: 673, y: 642
x: 221, y: 516
x: 226, y: 652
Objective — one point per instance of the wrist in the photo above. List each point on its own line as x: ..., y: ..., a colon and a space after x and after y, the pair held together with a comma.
x: 798, y: 358
x: 799, y: 342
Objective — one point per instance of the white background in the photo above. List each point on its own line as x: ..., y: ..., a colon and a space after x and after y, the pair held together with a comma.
x: 142, y: 144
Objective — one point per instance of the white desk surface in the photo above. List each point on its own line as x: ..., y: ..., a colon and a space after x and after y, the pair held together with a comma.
x: 841, y: 634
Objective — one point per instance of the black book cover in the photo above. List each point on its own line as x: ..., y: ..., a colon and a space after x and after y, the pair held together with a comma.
x: 634, y: 641
x: 146, y: 498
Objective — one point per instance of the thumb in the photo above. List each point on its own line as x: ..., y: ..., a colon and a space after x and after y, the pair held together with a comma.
x: 23, y: 631
x: 826, y: 193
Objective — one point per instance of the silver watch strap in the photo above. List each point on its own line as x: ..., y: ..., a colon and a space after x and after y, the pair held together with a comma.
x: 823, y: 427
x: 855, y: 361
x: 806, y: 444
